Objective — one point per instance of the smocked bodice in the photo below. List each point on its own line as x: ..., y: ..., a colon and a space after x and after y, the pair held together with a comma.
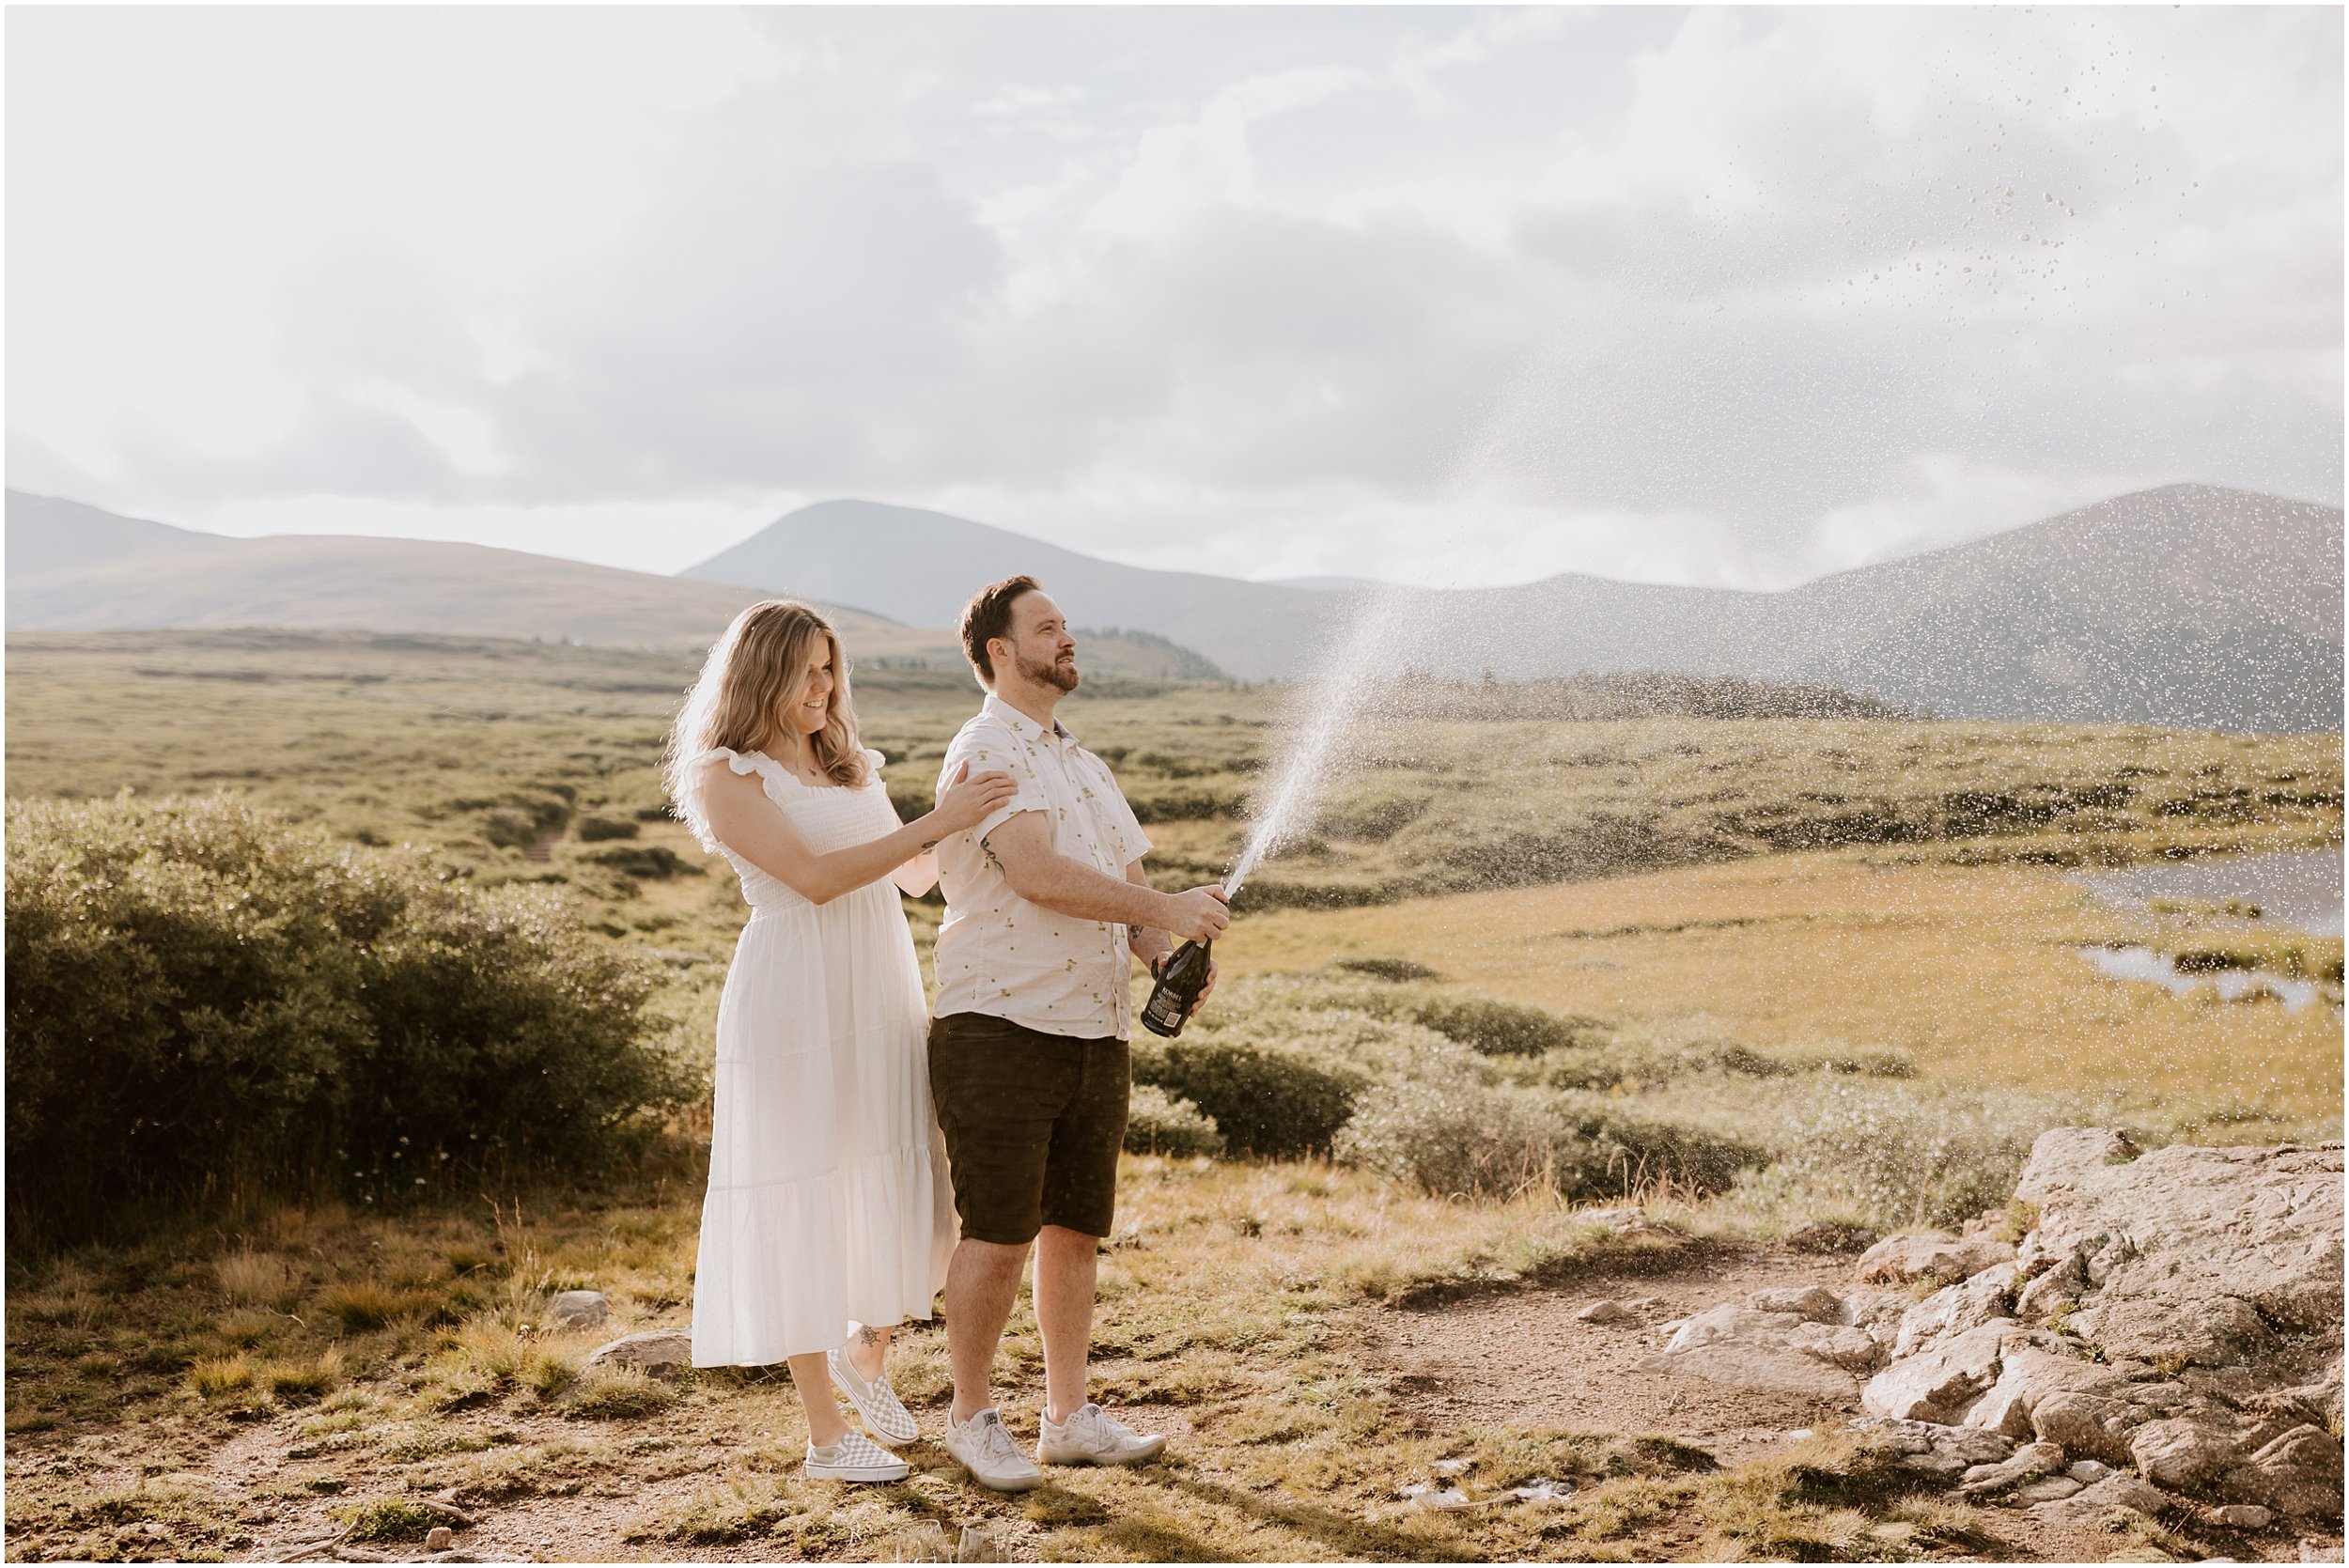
x: 828, y: 818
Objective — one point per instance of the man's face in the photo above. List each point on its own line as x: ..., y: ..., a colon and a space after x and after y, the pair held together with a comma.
x: 1041, y: 649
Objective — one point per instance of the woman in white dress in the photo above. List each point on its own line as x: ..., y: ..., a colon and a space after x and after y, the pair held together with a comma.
x: 829, y: 1219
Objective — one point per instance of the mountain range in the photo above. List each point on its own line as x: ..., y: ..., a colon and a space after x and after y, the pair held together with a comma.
x: 2188, y: 604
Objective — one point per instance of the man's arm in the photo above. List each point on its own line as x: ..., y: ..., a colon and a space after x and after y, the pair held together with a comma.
x: 1149, y: 943
x: 1022, y: 844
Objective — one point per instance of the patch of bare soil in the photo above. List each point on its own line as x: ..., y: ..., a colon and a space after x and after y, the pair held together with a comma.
x: 1524, y: 1358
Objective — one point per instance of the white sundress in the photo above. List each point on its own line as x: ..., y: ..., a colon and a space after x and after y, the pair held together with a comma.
x: 829, y: 1201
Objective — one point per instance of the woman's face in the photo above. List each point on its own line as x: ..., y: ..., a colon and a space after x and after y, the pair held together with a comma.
x: 807, y: 714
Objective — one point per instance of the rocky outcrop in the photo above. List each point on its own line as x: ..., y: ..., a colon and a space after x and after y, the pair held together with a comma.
x: 2170, y: 1326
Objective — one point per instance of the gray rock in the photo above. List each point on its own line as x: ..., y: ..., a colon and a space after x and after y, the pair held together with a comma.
x: 660, y: 1351
x: 578, y: 1309
x: 2084, y: 1423
x: 440, y: 1538
x: 2091, y: 1503
x: 1879, y: 1311
x: 2087, y: 1471
x: 2299, y: 1473
x: 2028, y: 1464
x: 1963, y: 1445
x: 1605, y: 1312
x: 1746, y: 1349
x: 2242, y: 1515
x: 1930, y: 1254
x: 2061, y: 1157
x: 2180, y: 1455
x: 1816, y: 1302
x: 2320, y: 1551
x: 1855, y: 1350
x: 1940, y: 1383
x: 2190, y: 1252
x: 1955, y: 1309
x: 2054, y: 1488
x: 1946, y: 1465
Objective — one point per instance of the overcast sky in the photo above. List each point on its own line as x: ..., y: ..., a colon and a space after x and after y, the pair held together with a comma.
x: 1465, y: 296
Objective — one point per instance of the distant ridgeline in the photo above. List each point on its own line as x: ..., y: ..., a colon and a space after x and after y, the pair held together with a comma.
x: 1634, y: 694
x: 2190, y: 606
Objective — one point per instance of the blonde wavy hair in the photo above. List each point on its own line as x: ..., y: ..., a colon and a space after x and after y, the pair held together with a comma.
x: 754, y: 672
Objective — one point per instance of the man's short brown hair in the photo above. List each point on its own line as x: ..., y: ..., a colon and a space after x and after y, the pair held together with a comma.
x: 988, y: 615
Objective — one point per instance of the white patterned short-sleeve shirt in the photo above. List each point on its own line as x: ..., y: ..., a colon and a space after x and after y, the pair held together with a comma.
x: 1000, y: 955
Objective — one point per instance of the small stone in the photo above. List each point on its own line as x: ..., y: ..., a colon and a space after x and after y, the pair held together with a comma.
x: 658, y: 1351
x: 578, y: 1309
x: 1813, y: 1302
x: 2312, y: 1550
x: 437, y: 1538
x: 2242, y: 1515
x: 2028, y: 1464
x: 1605, y: 1312
x: 2088, y: 1471
x: 2089, y: 1504
x: 2054, y: 1488
x: 1936, y: 1254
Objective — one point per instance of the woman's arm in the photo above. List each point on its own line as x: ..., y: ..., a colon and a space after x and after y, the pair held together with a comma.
x: 918, y: 874
x: 743, y: 819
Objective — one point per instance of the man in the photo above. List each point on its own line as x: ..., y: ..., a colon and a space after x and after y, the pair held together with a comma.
x: 1029, y: 1065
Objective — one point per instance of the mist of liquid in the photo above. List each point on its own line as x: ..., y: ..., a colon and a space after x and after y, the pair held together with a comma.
x: 1359, y: 665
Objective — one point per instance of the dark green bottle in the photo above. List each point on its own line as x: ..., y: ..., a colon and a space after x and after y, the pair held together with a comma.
x: 1184, y: 976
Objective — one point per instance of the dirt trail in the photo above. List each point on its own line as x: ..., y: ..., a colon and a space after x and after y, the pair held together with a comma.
x: 1525, y: 1360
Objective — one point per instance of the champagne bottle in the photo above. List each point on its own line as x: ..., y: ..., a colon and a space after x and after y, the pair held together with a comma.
x: 1180, y: 981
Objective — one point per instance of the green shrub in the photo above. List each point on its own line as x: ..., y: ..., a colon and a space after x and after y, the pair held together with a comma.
x: 1464, y: 1139
x: 1264, y: 1102
x: 1640, y: 1151
x: 1157, y: 1122
x: 656, y: 861
x: 201, y: 995
x: 1494, y: 1028
x: 595, y: 830
x: 1395, y: 969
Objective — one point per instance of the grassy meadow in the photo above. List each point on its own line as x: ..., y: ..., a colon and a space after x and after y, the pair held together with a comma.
x: 1751, y: 973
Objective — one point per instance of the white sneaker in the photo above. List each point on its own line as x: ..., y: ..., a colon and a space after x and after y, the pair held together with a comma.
x: 855, y: 1457
x: 987, y: 1451
x: 1092, y: 1435
x: 885, y: 1415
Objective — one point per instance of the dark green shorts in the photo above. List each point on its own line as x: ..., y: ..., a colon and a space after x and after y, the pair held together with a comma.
x: 1033, y: 1123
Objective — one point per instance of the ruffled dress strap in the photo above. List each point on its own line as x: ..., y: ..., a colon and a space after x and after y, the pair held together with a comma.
x: 748, y: 762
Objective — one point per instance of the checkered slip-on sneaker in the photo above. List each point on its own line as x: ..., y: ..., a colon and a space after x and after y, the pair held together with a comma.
x: 885, y: 1415
x: 855, y: 1457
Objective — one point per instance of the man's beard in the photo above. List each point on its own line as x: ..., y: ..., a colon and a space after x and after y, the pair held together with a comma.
x: 1047, y: 672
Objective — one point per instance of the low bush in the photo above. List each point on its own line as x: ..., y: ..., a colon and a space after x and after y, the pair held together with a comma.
x: 653, y: 861
x: 1157, y: 1122
x: 1268, y: 1102
x: 1395, y: 969
x: 202, y: 996
x: 595, y: 829
x: 1494, y: 1028
x: 1464, y: 1139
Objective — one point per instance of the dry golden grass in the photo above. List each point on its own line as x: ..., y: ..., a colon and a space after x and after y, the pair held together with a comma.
x: 1971, y: 969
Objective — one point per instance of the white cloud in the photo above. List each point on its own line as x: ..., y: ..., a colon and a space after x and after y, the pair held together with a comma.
x: 1725, y: 295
